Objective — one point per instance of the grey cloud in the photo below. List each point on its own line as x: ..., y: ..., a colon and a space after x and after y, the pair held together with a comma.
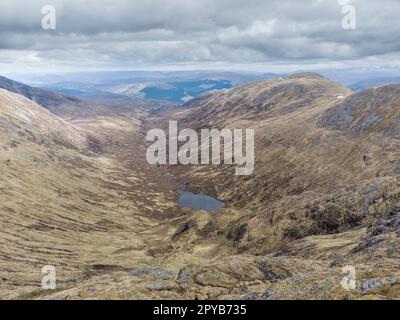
x: 127, y: 33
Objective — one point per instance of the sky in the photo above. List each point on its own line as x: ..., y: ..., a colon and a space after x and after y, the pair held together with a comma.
x: 254, y: 35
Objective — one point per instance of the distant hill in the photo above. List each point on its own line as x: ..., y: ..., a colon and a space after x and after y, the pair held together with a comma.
x: 180, y: 91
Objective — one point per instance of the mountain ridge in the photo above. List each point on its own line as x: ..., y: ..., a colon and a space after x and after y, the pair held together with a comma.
x: 266, y: 98
x: 49, y: 100
x: 17, y: 111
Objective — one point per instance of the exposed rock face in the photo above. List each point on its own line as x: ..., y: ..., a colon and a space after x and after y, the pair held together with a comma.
x: 374, y: 110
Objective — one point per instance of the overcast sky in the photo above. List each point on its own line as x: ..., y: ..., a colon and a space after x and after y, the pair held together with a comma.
x: 263, y: 35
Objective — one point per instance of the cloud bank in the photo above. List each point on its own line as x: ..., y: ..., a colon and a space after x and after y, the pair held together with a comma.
x: 123, y: 34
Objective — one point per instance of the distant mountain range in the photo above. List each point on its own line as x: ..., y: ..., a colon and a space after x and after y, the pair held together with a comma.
x: 177, y: 87
x: 181, y: 86
x: 359, y: 79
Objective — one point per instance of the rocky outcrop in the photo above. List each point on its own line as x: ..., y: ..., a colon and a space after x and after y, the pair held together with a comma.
x: 371, y: 111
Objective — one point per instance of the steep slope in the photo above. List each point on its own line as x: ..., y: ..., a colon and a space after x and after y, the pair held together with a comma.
x: 21, y: 117
x: 49, y: 100
x: 65, y: 206
x: 373, y: 110
x: 174, y: 91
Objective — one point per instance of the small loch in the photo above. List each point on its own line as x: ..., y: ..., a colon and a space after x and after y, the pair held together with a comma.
x: 198, y: 201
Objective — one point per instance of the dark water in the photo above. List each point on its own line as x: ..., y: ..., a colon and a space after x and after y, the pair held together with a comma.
x: 199, y: 201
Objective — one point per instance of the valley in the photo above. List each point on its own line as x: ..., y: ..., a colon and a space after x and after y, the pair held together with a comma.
x: 77, y: 193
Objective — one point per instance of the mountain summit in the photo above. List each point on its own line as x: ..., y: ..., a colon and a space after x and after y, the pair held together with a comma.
x: 267, y: 98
